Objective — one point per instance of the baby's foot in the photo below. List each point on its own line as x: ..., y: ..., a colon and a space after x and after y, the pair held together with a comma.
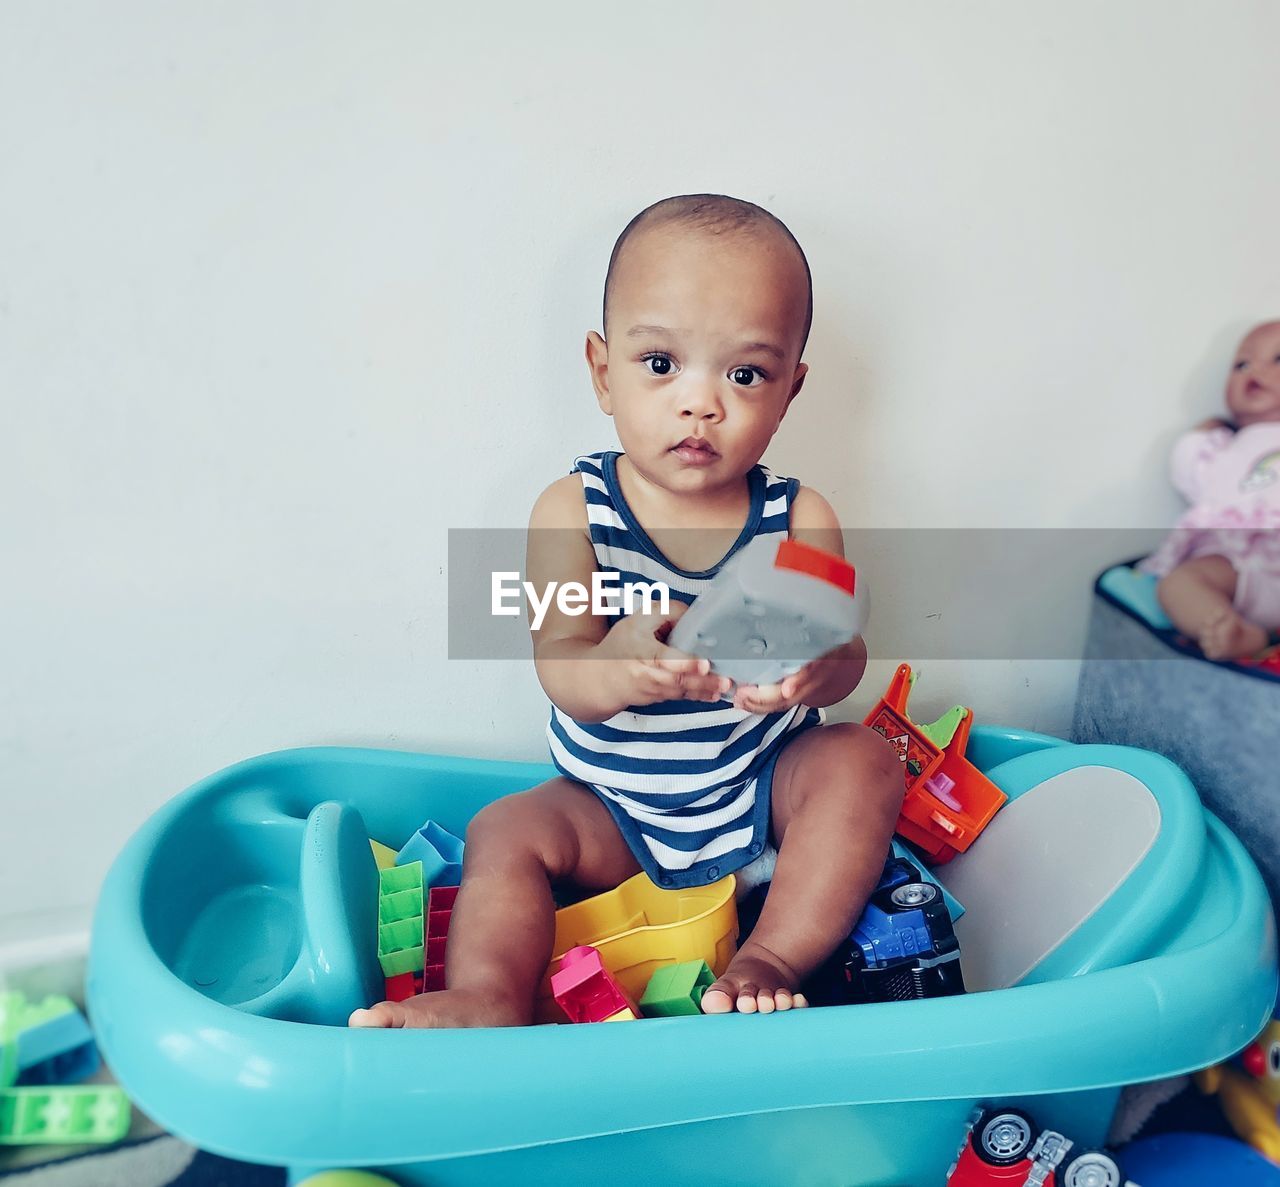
x: 446, y: 1007
x: 755, y: 980
x: 1228, y: 636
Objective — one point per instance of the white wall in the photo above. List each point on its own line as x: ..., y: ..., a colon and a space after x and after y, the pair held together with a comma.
x: 287, y: 290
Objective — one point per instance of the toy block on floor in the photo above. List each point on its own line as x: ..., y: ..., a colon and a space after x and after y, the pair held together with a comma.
x: 587, y: 992
x: 440, y: 853
x: 54, y: 1044
x: 676, y: 990
x: 400, y: 919
x: 31, y: 1116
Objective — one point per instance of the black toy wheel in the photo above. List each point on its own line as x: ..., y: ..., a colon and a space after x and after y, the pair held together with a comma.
x: 1003, y: 1136
x: 1092, y: 1168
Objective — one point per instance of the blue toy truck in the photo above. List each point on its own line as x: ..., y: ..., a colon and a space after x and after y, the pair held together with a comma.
x: 901, y: 949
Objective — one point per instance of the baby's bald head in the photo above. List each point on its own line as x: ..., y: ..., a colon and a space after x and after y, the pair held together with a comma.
x: 712, y: 215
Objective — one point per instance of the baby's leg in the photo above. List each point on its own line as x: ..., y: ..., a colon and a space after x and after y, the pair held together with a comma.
x: 503, y: 924
x: 1198, y: 596
x: 836, y: 795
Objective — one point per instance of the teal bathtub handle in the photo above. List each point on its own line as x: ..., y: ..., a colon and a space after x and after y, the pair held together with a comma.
x: 337, y: 967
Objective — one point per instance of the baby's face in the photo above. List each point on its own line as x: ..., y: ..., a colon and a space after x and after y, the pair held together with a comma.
x: 1253, y: 389
x: 703, y: 354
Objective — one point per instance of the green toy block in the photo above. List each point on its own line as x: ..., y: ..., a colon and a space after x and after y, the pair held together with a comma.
x: 400, y: 878
x: 31, y: 1116
x: 677, y: 989
x: 400, y: 947
x: 400, y: 919
x: 17, y: 1014
x: 404, y: 904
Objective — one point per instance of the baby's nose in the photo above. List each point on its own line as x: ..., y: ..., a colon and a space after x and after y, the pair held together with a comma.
x: 701, y: 401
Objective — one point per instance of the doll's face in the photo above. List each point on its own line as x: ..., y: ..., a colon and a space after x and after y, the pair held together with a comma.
x: 1253, y: 388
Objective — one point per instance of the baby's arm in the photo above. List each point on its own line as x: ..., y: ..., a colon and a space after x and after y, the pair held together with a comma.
x: 571, y: 652
x: 830, y: 679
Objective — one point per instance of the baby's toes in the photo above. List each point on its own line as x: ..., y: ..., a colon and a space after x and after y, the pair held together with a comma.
x: 719, y: 998
x: 384, y: 1014
x: 782, y: 999
x: 749, y: 996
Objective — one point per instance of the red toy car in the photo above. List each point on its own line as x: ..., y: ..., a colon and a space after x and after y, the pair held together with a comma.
x: 1001, y: 1147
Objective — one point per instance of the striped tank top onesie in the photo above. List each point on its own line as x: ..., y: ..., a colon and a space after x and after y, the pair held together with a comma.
x: 687, y: 782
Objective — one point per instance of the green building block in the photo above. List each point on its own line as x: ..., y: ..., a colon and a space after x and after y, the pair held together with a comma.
x: 400, y: 919
x: 404, y: 904
x: 32, y: 1116
x: 397, y: 878
x: 677, y: 989
x: 17, y: 1014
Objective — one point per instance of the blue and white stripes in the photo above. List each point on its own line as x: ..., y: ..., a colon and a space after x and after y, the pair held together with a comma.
x: 686, y: 781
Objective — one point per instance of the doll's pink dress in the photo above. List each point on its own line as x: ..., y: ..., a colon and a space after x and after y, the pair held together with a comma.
x: 1232, y: 481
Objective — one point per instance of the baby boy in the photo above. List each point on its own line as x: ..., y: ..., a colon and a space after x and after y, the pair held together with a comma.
x: 665, y: 766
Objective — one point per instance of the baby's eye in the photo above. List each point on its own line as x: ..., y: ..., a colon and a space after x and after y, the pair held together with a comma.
x: 658, y: 364
x: 1241, y: 364
x: 747, y: 376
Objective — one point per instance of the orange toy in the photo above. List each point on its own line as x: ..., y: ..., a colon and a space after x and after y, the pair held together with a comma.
x: 949, y: 801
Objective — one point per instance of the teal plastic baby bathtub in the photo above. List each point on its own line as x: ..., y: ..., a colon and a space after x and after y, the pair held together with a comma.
x: 222, y: 947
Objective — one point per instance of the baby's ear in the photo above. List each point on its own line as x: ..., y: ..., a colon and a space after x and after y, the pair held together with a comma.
x: 598, y: 364
x: 802, y: 369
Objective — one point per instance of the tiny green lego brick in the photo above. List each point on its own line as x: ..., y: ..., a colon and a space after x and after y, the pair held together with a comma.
x: 677, y: 989
x: 31, y: 1116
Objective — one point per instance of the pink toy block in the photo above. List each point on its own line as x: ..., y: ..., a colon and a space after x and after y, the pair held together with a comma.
x: 442, y: 897
x: 432, y: 978
x: 586, y: 991
x: 440, y: 900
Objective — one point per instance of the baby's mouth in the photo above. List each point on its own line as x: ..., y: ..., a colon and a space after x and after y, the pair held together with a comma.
x: 695, y: 450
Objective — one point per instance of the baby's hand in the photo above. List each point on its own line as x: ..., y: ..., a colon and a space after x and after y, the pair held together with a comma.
x: 790, y: 690
x: 823, y: 681
x: 649, y: 671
